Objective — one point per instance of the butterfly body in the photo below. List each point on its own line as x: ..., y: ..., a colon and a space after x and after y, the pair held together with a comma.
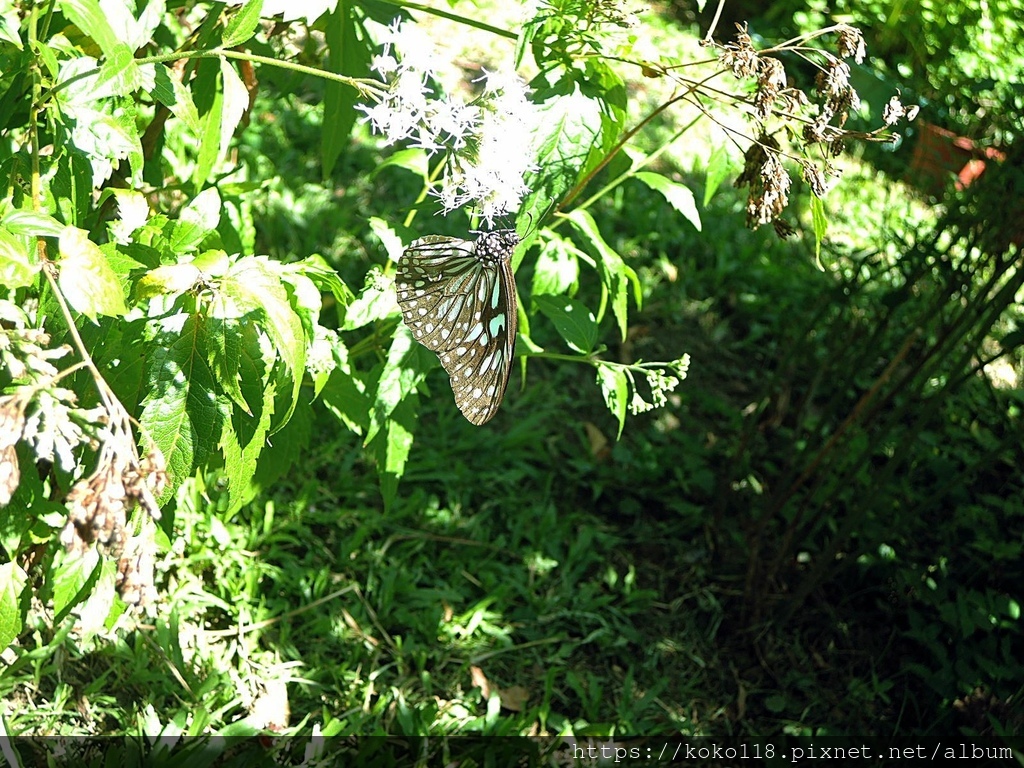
x: 458, y: 298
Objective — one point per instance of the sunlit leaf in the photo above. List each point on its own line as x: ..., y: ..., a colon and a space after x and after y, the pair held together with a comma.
x: 615, y: 390
x: 12, y: 582
x: 243, y: 24
x: 678, y: 196
x: 86, y: 279
x: 557, y: 270
x: 573, y: 320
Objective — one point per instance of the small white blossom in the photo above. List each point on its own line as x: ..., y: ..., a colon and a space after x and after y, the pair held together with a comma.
x: 320, y: 357
x: 488, y: 144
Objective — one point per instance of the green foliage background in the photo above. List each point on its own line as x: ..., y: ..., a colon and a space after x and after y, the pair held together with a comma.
x: 819, y: 535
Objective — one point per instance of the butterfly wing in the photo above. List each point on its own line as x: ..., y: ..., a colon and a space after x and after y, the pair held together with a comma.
x: 458, y: 298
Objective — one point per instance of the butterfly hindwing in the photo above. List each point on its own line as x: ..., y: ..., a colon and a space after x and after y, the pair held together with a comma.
x: 458, y: 298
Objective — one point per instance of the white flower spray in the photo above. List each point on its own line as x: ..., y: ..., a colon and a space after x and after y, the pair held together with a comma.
x: 487, y: 143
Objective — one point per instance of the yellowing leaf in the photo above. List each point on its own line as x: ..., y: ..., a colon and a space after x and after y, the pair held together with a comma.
x: 86, y: 279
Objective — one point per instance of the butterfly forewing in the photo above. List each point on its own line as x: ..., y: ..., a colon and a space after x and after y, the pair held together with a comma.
x: 459, y: 299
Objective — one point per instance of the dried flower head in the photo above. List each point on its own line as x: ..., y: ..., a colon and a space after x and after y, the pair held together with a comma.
x: 851, y: 43
x: 895, y: 111
x: 135, y: 571
x: 768, y: 180
x: 10, y: 474
x: 771, y: 82
x: 740, y: 57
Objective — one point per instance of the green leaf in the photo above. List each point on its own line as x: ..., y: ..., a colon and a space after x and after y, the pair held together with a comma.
x: 197, y: 220
x: 168, y: 280
x: 389, y: 239
x: 74, y: 574
x: 119, y: 75
x: 573, y: 320
x: 19, y: 264
x: 10, y: 24
x: 615, y: 389
x: 567, y: 127
x: 350, y: 49
x: 182, y: 411
x: 404, y: 369
x: 320, y: 272
x: 375, y: 302
x: 12, y: 582
x: 170, y: 92
x: 412, y: 159
x: 253, y: 289
x: 245, y: 433
x: 236, y: 101
x: 92, y: 19
x: 557, y: 270
x: 86, y: 279
x: 678, y: 196
x: 820, y: 226
x: 205, y: 90
x: 346, y: 397
x: 719, y: 166
x: 243, y: 24
x: 33, y: 224
x: 391, y: 449
x: 615, y: 273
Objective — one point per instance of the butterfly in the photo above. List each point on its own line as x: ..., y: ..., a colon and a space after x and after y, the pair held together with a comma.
x: 458, y: 298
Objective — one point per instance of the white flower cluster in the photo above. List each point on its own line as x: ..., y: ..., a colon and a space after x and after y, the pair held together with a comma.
x: 660, y: 383
x: 488, y: 143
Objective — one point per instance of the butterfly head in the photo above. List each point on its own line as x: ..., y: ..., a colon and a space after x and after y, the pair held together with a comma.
x: 496, y: 246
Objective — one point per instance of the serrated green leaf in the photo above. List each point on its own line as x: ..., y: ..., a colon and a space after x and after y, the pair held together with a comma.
x: 170, y: 92
x: 719, y: 165
x: 243, y: 24
x: 245, y: 434
x: 73, y: 575
x: 403, y: 371
x: 12, y: 582
x: 86, y: 279
x: 678, y: 196
x: 253, y: 288
x: 573, y: 320
x: 820, y: 222
x: 557, y: 270
x: 320, y: 272
x: 615, y: 390
x: 19, y: 264
x: 350, y: 49
x: 197, y: 220
x: 182, y: 411
x: 375, y: 302
x: 119, y: 74
x: 33, y: 224
x: 224, y: 355
x: 567, y: 128
x: 391, y: 449
x: 89, y: 17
